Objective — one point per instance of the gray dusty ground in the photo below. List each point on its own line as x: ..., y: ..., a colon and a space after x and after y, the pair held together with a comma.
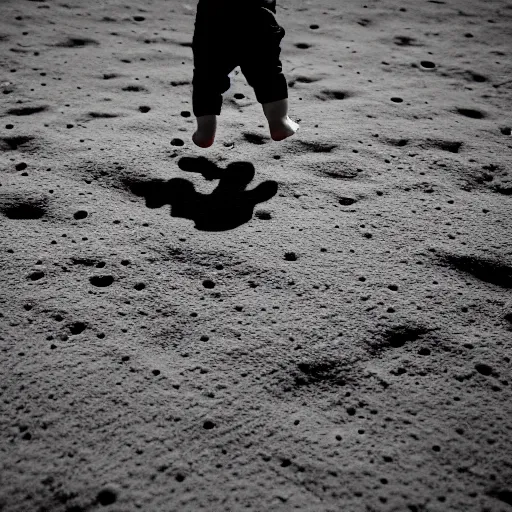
x: 320, y: 324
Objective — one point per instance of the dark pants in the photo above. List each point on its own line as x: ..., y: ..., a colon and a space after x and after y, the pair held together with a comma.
x: 231, y: 33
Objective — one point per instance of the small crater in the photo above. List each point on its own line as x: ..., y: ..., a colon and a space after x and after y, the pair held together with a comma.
x: 208, y: 283
x: 102, y: 115
x: 139, y: 18
x: 406, y: 41
x: 335, y: 94
x: 443, y: 145
x: 303, y: 46
x: 77, y: 42
x: 320, y: 147
x: 427, y: 64
x: 101, y: 281
x: 483, y: 368
x: 24, y: 210
x: 263, y: 215
x: 140, y: 286
x: 27, y: 111
x: 107, y: 495
x: 80, y: 214
x: 399, y: 143
x: 504, y: 495
x: 396, y: 99
x: 399, y: 335
x: 88, y: 262
x: 134, y: 88
x: 346, y: 201
x: 290, y: 256
x: 144, y: 109
x: 14, y: 143
x: 208, y: 425
x: 306, y: 79
x: 471, y: 113
x: 77, y: 327
x: 488, y: 270
x: 36, y: 275
x: 320, y: 371
x: 476, y: 77
x: 338, y: 171
x: 254, y: 138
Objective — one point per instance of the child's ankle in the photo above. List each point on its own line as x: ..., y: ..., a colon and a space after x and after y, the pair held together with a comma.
x: 276, y: 112
x: 206, y: 120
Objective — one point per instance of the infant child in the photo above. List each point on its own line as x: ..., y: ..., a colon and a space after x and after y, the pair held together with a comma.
x: 231, y: 33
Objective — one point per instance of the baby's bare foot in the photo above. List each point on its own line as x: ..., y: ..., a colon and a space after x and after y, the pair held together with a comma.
x: 283, y: 129
x: 201, y: 140
x: 205, y: 133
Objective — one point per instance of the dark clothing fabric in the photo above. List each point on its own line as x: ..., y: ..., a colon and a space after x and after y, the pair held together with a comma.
x: 231, y: 33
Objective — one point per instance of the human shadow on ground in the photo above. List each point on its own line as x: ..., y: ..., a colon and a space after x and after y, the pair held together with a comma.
x: 229, y: 206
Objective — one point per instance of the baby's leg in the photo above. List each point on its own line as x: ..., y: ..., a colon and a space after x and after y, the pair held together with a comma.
x: 262, y: 68
x: 280, y: 125
x: 212, y: 65
x: 204, y: 136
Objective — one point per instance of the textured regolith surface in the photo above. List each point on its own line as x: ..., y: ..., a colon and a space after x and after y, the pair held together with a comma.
x: 319, y: 324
